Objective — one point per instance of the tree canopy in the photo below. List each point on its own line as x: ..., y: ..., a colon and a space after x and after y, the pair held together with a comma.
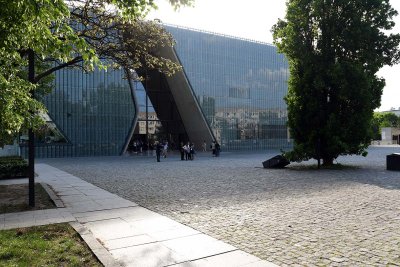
x: 335, y: 49
x: 70, y: 33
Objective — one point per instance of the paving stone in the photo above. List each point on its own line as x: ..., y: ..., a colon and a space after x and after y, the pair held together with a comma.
x: 173, y: 233
x: 294, y: 216
x: 101, y: 253
x: 149, y: 255
x: 110, y: 229
x: 129, y: 241
x: 197, y: 246
x: 233, y: 259
x: 200, y: 263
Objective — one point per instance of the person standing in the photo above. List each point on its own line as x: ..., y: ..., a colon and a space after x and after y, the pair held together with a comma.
x: 165, y: 149
x: 192, y: 151
x: 204, y: 146
x: 213, y: 148
x: 187, y: 151
x: 217, y: 149
x: 158, y: 150
x: 182, y: 150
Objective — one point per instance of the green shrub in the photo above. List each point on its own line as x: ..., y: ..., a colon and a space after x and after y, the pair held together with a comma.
x: 13, y: 167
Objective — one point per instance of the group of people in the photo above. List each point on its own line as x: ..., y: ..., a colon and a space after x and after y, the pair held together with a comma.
x: 187, y: 150
x: 137, y: 146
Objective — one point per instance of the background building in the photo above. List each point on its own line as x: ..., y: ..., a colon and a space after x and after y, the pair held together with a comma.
x: 394, y: 111
x: 391, y: 135
x: 230, y: 90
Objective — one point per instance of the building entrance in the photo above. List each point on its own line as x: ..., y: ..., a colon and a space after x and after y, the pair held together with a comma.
x: 158, y: 118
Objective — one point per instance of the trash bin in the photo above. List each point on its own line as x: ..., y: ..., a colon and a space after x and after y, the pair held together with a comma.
x: 393, y: 162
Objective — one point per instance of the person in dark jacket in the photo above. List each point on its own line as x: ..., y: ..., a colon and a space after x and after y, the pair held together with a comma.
x: 192, y: 151
x: 159, y: 147
x: 217, y: 149
x: 182, y: 150
x: 212, y: 146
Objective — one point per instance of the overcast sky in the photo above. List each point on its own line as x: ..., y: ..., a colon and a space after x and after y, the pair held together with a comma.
x: 253, y: 19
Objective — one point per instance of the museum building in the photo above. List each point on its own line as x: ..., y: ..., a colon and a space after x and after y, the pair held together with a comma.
x: 230, y: 90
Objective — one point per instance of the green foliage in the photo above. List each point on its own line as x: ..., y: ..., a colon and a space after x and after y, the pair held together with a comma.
x: 43, y: 27
x: 17, y: 108
x: 47, y: 28
x: 12, y: 167
x: 334, y: 49
x: 381, y: 120
x: 388, y: 119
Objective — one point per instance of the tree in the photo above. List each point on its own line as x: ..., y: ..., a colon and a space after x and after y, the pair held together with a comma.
x: 44, y: 29
x: 376, y: 126
x: 389, y: 119
x: 334, y: 49
x: 380, y: 120
x: 23, y: 25
x: 79, y: 34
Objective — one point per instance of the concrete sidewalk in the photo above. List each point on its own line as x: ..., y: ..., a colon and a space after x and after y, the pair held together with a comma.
x: 122, y: 233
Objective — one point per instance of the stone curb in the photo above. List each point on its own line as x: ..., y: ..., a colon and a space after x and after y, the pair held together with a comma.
x: 57, y: 201
x: 97, y: 248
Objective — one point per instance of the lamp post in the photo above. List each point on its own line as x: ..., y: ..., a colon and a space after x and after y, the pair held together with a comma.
x: 31, y: 145
x: 147, y: 113
x: 319, y: 138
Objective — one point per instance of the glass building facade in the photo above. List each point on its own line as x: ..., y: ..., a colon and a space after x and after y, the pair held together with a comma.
x: 94, y: 112
x: 238, y: 85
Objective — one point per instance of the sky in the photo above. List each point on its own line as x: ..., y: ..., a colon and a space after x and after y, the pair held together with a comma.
x: 253, y: 19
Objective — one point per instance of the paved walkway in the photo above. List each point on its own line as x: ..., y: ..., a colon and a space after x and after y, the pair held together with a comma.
x: 295, y: 216
x: 122, y: 233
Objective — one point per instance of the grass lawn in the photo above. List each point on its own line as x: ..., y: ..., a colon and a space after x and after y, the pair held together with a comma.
x: 50, y: 245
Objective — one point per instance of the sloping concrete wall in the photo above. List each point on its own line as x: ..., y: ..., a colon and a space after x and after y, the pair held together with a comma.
x: 192, y: 117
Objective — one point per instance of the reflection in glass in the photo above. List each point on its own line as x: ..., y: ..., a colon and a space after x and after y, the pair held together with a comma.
x: 94, y: 113
x: 239, y: 84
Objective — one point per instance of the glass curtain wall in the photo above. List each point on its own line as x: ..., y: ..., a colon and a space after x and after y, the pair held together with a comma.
x: 239, y: 84
x: 148, y: 124
x: 93, y: 111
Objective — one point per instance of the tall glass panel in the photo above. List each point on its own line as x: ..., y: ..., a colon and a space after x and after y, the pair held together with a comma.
x: 94, y: 111
x: 240, y: 85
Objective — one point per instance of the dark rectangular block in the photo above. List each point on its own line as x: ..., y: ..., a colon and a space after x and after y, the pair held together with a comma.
x: 277, y: 162
x: 393, y: 162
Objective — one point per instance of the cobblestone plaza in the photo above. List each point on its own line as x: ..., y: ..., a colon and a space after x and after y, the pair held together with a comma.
x: 297, y: 216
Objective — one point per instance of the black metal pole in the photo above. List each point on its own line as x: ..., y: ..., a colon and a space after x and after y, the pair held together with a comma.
x: 319, y: 152
x: 147, y: 114
x: 31, y: 147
